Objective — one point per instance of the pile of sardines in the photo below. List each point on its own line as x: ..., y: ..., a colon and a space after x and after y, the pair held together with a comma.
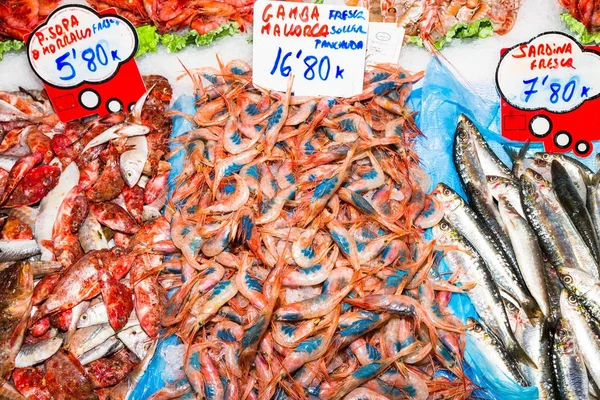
x: 529, y: 238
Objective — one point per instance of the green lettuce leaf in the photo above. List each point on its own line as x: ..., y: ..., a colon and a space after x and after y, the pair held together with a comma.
x: 148, y: 39
x: 10, y: 45
x: 581, y: 33
x: 481, y: 28
x: 175, y: 43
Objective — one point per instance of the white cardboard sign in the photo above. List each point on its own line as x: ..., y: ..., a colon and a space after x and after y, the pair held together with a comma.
x: 385, y: 43
x: 551, y: 72
x: 322, y: 46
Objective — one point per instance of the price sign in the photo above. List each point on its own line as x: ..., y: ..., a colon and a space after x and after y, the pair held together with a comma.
x: 550, y: 88
x: 322, y: 46
x: 85, y: 60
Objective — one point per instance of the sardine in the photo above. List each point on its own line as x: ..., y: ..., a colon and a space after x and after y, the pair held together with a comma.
x: 470, y: 168
x: 136, y: 340
x: 569, y: 368
x: 494, y: 352
x: 15, y: 250
x: 554, y: 288
x: 485, y: 296
x: 574, y: 206
x: 529, y: 255
x: 31, y: 354
x: 507, y: 188
x: 556, y: 233
x: 536, y: 341
x: 592, y: 200
x: 16, y: 292
x: 102, y: 350
x: 585, y: 330
x: 584, y: 287
x: 468, y: 224
x: 49, y: 207
x: 132, y: 161
x: 575, y: 168
x: 491, y: 164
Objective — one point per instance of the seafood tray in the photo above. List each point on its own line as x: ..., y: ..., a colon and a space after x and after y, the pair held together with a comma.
x: 255, y: 244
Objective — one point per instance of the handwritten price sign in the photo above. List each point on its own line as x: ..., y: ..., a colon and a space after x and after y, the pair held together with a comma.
x: 323, y: 47
x: 85, y: 60
x: 547, y: 86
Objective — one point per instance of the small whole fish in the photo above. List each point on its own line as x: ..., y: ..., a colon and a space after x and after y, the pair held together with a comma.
x: 485, y: 296
x: 110, y: 346
x: 87, y: 338
x: 535, y: 338
x: 556, y: 233
x: 584, y: 287
x: 586, y: 331
x: 31, y: 354
x: 16, y: 292
x: 569, y: 367
x: 136, y: 340
x: 16, y: 250
x: 470, y: 168
x: 529, y: 255
x: 574, y: 206
x: 468, y: 224
x: 132, y: 161
x: 576, y: 170
x: 494, y: 352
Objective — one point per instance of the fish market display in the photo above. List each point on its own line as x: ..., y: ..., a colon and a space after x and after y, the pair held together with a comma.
x: 19, y: 17
x: 432, y: 21
x: 528, y: 237
x: 80, y: 296
x: 299, y: 221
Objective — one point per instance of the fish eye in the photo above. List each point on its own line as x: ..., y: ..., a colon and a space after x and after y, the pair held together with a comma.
x: 444, y: 226
x: 47, y: 181
x: 537, y: 176
x: 462, y: 135
x: 447, y: 192
x: 568, y: 279
x: 477, y: 328
x: 546, y: 156
x: 572, y: 299
x: 562, y: 332
x: 493, y: 179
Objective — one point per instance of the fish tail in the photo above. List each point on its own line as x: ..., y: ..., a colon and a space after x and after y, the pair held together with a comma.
x: 519, y: 353
x: 517, y: 156
x: 590, y: 179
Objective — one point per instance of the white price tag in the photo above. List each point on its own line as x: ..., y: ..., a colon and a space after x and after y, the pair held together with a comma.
x: 551, y: 72
x: 322, y: 46
x: 385, y: 43
x: 77, y: 45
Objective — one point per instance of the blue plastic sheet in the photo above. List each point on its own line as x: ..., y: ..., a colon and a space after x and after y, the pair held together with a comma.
x: 162, y: 370
x: 440, y: 100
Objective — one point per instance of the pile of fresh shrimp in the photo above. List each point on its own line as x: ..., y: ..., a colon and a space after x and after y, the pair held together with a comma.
x: 300, y: 225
